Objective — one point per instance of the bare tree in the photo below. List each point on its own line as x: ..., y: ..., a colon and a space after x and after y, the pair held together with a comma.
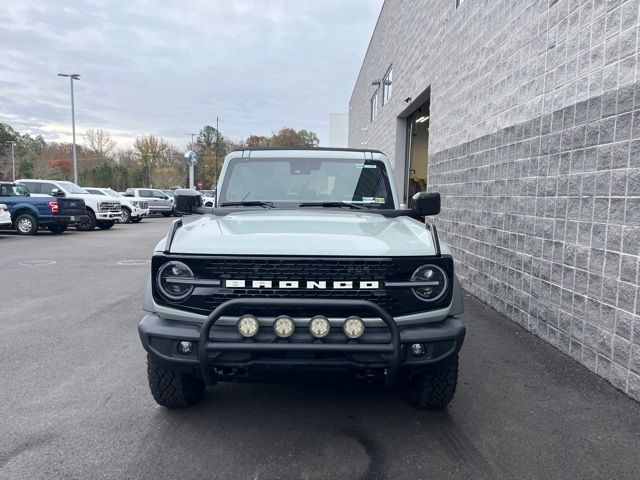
x: 100, y: 143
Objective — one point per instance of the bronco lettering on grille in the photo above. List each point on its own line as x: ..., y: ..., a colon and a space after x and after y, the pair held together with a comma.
x: 305, y: 285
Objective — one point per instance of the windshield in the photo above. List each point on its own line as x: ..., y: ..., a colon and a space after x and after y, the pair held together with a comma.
x: 72, y: 187
x: 305, y: 180
x: 112, y: 193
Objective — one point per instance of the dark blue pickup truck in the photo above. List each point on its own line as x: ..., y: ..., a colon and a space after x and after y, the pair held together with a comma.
x: 29, y: 214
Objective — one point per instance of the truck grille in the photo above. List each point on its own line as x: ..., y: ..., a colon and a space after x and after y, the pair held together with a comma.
x: 144, y: 205
x: 302, y: 269
x: 109, y: 206
x: 397, y: 301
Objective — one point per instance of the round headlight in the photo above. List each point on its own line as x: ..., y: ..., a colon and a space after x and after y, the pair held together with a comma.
x: 353, y: 327
x: 319, y: 326
x: 283, y: 327
x: 433, y: 283
x: 173, y: 280
x: 248, y: 326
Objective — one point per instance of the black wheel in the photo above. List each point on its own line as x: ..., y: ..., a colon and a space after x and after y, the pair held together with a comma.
x: 105, y: 225
x: 175, y: 213
x: 57, y: 229
x: 89, y: 224
x: 433, y: 389
x: 136, y: 220
x: 208, y: 204
x: 166, y: 214
x: 26, y: 224
x: 173, y: 389
x: 126, y: 215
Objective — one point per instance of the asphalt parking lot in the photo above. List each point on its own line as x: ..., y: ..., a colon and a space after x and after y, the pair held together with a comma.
x: 74, y: 401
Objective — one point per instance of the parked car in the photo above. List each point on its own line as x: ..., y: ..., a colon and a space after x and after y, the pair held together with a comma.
x: 134, y: 209
x: 309, y: 264
x: 159, y: 202
x: 208, y: 197
x: 5, y: 215
x: 101, y: 212
x: 29, y: 213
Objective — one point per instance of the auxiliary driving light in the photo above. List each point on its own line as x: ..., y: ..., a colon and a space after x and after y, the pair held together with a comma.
x: 185, y: 348
x: 319, y: 326
x: 418, y: 350
x: 283, y: 327
x: 248, y: 326
x: 353, y: 327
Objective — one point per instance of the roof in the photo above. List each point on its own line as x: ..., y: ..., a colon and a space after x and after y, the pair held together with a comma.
x: 312, y: 149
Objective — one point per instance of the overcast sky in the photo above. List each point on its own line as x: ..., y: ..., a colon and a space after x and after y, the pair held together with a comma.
x: 171, y: 67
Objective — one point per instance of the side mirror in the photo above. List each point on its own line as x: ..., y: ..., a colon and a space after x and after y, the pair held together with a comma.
x: 187, y: 200
x: 425, y: 204
x: 56, y: 192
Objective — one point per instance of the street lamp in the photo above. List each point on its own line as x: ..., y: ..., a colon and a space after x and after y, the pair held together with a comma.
x: 13, y: 158
x: 72, y: 77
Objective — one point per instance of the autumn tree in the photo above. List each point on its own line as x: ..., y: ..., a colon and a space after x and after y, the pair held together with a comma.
x: 151, y: 151
x: 288, y: 137
x: 211, y: 148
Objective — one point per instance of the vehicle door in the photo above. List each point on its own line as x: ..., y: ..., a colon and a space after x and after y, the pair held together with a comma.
x: 162, y: 199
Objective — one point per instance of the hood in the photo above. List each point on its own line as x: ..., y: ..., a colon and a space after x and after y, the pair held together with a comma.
x: 92, y: 197
x: 304, y: 232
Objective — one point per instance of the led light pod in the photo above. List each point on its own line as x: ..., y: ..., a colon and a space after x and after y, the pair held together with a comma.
x: 353, y: 327
x: 319, y: 326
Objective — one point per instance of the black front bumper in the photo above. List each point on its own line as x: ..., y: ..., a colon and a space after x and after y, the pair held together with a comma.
x: 66, y: 219
x: 220, y: 353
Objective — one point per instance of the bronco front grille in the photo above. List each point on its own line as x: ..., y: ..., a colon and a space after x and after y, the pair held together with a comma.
x: 397, y: 301
x: 302, y: 269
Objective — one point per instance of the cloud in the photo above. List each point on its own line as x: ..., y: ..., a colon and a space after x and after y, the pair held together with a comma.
x: 171, y: 67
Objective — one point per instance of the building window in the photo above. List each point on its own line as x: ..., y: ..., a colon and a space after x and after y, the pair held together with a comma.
x: 459, y: 2
x: 387, y: 86
x: 374, y: 106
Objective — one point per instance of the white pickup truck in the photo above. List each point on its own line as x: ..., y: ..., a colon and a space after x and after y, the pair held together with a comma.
x: 102, y: 212
x: 134, y: 209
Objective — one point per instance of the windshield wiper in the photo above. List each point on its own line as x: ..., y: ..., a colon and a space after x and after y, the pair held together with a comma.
x: 332, y: 204
x: 248, y: 203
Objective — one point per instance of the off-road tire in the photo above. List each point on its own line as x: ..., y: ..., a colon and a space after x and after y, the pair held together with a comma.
x: 88, y: 225
x: 136, y: 220
x: 435, y: 388
x: 176, y: 213
x: 126, y: 215
x: 105, y: 225
x: 166, y: 214
x: 173, y: 389
x: 26, y: 224
x: 57, y: 229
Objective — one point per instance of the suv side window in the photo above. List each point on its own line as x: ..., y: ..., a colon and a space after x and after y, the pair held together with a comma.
x: 156, y: 194
x: 143, y: 193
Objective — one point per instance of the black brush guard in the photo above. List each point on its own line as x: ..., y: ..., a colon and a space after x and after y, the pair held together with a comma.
x: 207, y: 346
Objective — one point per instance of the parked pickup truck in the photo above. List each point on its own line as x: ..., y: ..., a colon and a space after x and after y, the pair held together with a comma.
x: 159, y: 202
x: 306, y: 264
x: 30, y: 213
x: 133, y: 209
x: 102, y: 212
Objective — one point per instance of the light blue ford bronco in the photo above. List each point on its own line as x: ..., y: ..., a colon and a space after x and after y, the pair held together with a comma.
x: 306, y: 265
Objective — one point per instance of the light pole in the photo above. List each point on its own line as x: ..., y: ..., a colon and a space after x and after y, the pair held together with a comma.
x: 13, y: 158
x: 72, y: 77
